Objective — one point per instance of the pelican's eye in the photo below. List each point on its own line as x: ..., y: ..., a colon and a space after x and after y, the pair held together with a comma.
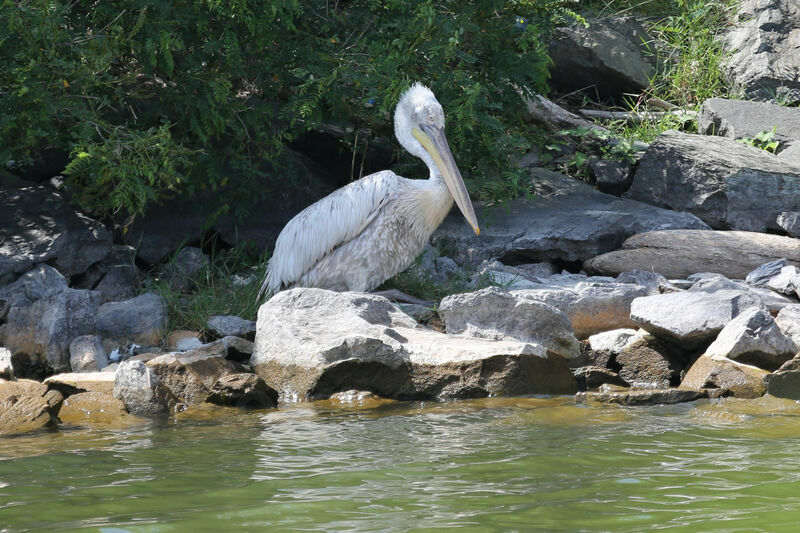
x: 431, y: 119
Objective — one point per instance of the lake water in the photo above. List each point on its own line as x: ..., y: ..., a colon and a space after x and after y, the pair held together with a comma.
x: 522, y: 464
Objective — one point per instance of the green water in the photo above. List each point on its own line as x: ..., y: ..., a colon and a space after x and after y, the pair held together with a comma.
x: 523, y: 464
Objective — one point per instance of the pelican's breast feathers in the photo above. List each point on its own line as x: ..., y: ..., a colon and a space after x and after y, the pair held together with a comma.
x: 319, y: 228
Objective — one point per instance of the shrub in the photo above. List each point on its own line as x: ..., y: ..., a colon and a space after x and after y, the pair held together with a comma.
x: 159, y: 98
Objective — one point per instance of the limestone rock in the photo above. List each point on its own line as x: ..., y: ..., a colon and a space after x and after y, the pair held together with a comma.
x: 612, y: 341
x: 609, y: 56
x: 739, y: 119
x: 312, y: 343
x: 92, y: 408
x: 226, y: 326
x: 725, y: 183
x: 753, y: 338
x: 788, y: 320
x: 141, y: 391
x: 761, y: 275
x: 37, y: 225
x: 43, y: 317
x: 785, y: 382
x: 21, y: 414
x: 495, y: 313
x: 786, y: 282
x: 72, y: 383
x: 641, y: 397
x: 765, y: 61
x: 650, y: 362
x: 191, y: 376
x: 680, y: 253
x: 243, y: 390
x: 690, y: 319
x: 87, y: 354
x: 789, y: 221
x: 140, y: 320
x: 568, y: 221
x: 731, y: 378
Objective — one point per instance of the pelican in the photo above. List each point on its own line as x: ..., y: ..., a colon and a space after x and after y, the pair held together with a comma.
x: 369, y: 230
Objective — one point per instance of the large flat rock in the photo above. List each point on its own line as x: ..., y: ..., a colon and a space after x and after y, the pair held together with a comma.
x: 727, y: 184
x: 680, y: 253
x: 739, y: 119
x: 568, y: 220
x: 312, y: 343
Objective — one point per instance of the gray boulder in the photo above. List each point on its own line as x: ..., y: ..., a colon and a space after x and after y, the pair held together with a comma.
x: 141, y: 391
x: 611, y: 341
x: 312, y: 343
x: 785, y: 382
x: 761, y: 275
x: 753, y: 338
x: 495, y: 313
x: 225, y: 326
x: 243, y: 390
x: 186, y: 264
x: 611, y: 177
x: 42, y: 317
x: 717, y: 282
x: 610, y: 56
x: 140, y: 320
x: 87, y: 354
x: 789, y: 221
x: 765, y: 60
x: 690, y: 319
x: 681, y: 253
x: 788, y: 320
x: 38, y: 225
x: 727, y: 184
x: 649, y: 362
x: 739, y: 119
x: 786, y: 282
x: 190, y: 376
x: 568, y: 221
x: 728, y: 377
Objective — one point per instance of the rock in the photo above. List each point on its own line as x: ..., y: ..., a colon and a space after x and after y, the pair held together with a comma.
x: 610, y: 56
x: 592, y: 377
x: 72, y: 383
x: 115, y: 277
x: 727, y: 184
x: 6, y: 365
x: 19, y: 388
x: 641, y: 397
x: 43, y: 317
x: 495, y: 313
x: 312, y: 343
x: 761, y: 275
x: 593, y: 305
x: 612, y: 341
x: 730, y: 377
x: 717, y: 282
x: 183, y: 340
x: 788, y: 320
x: 235, y: 326
x: 140, y: 320
x: 786, y: 282
x: 445, y: 269
x: 789, y: 221
x: 37, y: 225
x: 536, y: 271
x: 243, y: 390
x: 233, y: 348
x: 753, y: 338
x: 739, y: 119
x: 611, y: 177
x: 186, y: 264
x: 680, y: 253
x: 420, y: 313
x: 690, y: 319
x: 92, y: 408
x: 54, y: 399
x: 141, y: 391
x: 87, y: 354
x: 568, y: 221
x: 22, y: 414
x: 118, y: 284
x: 191, y: 376
x: 765, y: 59
x: 785, y: 382
x: 649, y: 362
x: 654, y: 282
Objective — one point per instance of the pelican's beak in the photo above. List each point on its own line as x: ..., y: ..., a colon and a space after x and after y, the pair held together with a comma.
x: 435, y: 143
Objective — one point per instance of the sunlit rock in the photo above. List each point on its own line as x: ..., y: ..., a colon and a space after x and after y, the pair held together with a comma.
x: 730, y: 377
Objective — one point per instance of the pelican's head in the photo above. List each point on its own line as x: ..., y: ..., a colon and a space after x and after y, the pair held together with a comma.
x: 419, y: 126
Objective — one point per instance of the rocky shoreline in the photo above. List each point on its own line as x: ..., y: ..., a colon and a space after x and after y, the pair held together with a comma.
x: 670, y: 279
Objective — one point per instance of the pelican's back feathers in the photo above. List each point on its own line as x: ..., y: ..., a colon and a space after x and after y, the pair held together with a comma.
x: 324, y: 225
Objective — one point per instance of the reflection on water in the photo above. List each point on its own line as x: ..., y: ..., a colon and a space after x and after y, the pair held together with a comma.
x: 517, y: 464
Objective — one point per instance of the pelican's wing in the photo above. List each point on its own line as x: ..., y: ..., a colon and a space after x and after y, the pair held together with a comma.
x: 324, y: 225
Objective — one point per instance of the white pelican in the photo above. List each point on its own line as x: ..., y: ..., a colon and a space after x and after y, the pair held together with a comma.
x: 369, y: 230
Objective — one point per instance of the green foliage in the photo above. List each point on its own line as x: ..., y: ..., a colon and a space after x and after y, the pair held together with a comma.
x: 158, y: 98
x: 763, y: 140
x: 228, y: 286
